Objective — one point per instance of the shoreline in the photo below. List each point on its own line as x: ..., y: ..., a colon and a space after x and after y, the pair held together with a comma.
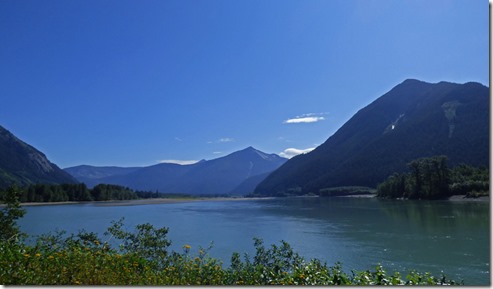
x: 157, y: 201
x: 138, y: 202
x: 462, y: 198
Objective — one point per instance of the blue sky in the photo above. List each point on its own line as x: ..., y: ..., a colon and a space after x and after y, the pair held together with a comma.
x: 133, y: 83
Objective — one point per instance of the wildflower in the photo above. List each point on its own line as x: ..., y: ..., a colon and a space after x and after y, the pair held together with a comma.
x: 187, y: 247
x: 38, y: 255
x: 96, y: 242
x: 51, y: 257
x: 27, y: 255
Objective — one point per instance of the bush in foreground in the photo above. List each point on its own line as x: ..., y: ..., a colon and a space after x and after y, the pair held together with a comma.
x: 142, y: 258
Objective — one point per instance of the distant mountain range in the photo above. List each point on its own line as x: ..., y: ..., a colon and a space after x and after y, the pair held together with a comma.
x: 22, y: 164
x: 415, y: 119
x: 237, y: 173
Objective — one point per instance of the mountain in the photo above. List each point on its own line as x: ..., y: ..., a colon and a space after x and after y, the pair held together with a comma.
x: 90, y: 175
x: 237, y: 173
x: 414, y: 119
x: 22, y: 164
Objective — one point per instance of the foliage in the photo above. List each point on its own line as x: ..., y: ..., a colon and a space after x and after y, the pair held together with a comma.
x: 80, y: 193
x: 147, y: 242
x: 9, y: 214
x: 345, y: 191
x: 39, y: 193
x: 430, y: 178
x: 104, y: 192
x: 142, y: 258
x: 470, y: 181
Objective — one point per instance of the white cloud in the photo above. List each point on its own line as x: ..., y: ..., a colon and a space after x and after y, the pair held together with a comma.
x: 226, y: 139
x: 179, y: 162
x: 306, y: 119
x: 222, y: 140
x: 291, y: 152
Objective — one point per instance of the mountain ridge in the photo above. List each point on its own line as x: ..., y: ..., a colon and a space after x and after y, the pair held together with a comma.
x: 414, y: 119
x: 22, y: 164
x: 222, y: 175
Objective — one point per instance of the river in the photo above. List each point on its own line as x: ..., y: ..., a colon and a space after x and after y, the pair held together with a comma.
x: 428, y: 236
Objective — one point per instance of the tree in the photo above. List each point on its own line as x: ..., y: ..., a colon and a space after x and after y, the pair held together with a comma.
x: 10, y: 213
x: 429, y: 178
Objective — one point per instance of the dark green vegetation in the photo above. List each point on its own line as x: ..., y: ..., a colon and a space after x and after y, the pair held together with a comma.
x: 346, y: 191
x: 80, y: 193
x: 142, y: 257
x: 413, y: 120
x: 22, y: 164
x: 430, y: 178
x: 235, y: 174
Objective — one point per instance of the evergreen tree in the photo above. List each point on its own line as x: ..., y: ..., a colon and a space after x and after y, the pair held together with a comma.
x: 10, y: 213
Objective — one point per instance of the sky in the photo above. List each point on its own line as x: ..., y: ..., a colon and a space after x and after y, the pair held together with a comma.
x: 135, y: 83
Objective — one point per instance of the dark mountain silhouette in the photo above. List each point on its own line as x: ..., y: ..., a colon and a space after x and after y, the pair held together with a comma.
x: 214, y: 177
x: 415, y: 119
x: 22, y: 164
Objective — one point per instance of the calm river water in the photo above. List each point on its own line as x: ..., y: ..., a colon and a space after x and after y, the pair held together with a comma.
x: 431, y: 236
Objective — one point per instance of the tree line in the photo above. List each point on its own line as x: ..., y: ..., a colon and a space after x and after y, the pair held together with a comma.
x: 431, y: 178
x: 79, y: 193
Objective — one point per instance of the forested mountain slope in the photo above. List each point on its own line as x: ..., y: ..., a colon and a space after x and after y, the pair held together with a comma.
x: 415, y: 119
x: 22, y: 164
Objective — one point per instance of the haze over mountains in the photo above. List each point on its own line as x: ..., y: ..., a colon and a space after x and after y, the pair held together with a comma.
x: 415, y: 119
x: 237, y: 173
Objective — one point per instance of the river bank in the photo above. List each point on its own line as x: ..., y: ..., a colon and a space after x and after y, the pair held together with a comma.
x: 156, y: 201
x: 456, y: 198
x: 138, y: 202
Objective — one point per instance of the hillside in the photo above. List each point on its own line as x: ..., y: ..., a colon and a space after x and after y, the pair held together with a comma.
x: 91, y: 175
x: 237, y: 173
x: 22, y: 164
x: 415, y: 119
